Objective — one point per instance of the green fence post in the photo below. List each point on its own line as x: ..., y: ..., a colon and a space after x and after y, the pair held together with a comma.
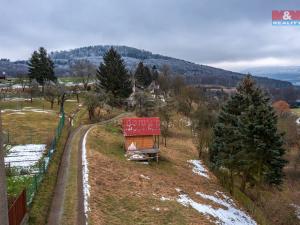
x: 44, y: 166
x: 35, y: 182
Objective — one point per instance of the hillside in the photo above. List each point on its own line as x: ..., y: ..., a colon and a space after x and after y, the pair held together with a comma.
x: 194, y: 73
x: 287, y: 73
x: 177, y: 190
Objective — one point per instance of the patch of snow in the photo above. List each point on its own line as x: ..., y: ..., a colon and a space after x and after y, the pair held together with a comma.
x: 228, y: 216
x: 199, y: 168
x: 156, y: 208
x: 145, y: 177
x: 26, y: 109
x: 85, y: 177
x: 297, y: 210
x: 17, y: 113
x: 178, y: 190
x: 16, y: 99
x: 17, y: 86
x: 25, y: 155
x: 165, y: 198
x: 298, y: 121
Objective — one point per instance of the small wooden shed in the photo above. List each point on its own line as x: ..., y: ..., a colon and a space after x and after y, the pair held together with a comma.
x: 141, y: 134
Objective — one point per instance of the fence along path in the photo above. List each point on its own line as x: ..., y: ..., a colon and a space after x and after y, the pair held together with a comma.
x: 43, y: 165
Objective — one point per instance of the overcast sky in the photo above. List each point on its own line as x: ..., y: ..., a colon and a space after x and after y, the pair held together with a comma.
x: 231, y: 34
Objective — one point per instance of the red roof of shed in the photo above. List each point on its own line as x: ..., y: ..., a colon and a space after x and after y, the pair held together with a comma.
x: 141, y: 126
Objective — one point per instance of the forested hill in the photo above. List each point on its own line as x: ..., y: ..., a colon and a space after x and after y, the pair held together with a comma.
x: 194, y: 73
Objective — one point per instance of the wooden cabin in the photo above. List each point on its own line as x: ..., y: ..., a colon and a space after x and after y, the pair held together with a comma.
x: 141, y: 135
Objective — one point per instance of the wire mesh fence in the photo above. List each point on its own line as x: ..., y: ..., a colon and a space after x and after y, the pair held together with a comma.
x: 42, y: 166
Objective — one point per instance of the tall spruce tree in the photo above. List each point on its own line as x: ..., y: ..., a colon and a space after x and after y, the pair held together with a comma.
x: 41, y: 67
x: 247, y: 142
x: 112, y: 75
x: 143, y: 75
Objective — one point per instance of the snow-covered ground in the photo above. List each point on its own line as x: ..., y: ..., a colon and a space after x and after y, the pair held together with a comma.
x: 297, y: 210
x: 26, y: 109
x: 218, y: 208
x: 85, y: 176
x: 144, y: 177
x: 199, y: 168
x: 226, y: 214
x: 16, y: 99
x: 25, y: 155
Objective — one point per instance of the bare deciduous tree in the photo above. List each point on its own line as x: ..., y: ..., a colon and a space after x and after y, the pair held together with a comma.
x: 50, y: 94
x: 22, y: 79
x: 84, y: 71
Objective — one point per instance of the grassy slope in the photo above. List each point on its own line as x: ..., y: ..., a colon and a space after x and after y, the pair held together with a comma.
x: 119, y: 195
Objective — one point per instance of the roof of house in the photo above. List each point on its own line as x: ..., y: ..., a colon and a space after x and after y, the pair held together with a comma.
x: 141, y: 126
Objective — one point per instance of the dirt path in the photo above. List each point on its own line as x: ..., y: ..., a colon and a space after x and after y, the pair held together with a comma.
x: 57, y: 206
x: 56, y: 209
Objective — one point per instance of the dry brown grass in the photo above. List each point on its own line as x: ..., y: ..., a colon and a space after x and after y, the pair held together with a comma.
x: 25, y: 127
x: 119, y: 195
x: 31, y: 127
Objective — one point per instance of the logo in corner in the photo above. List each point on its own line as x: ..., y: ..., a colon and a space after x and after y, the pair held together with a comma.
x: 286, y: 17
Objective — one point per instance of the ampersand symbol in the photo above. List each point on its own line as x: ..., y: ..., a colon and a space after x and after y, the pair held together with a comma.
x: 286, y: 15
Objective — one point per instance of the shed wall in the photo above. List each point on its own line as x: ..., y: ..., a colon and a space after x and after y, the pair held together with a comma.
x: 141, y: 142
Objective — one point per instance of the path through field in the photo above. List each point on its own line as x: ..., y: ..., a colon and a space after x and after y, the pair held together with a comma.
x: 57, y: 206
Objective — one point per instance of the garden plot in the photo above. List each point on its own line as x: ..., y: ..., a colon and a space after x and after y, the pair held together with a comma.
x: 29, y: 126
x: 25, y: 155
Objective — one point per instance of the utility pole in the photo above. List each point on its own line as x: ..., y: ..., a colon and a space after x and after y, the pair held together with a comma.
x: 3, y: 190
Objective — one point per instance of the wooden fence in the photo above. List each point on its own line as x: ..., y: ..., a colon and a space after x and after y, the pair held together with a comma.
x: 18, y: 210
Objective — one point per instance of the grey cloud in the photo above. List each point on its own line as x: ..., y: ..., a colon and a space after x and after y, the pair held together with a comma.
x: 203, y: 31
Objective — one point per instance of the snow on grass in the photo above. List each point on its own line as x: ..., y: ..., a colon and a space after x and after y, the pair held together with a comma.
x: 165, y: 198
x: 226, y: 214
x: 85, y: 177
x: 144, y: 177
x: 199, y: 168
x: 16, y: 99
x: 297, y: 210
x: 26, y: 109
x: 17, y: 113
x: 25, y: 155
